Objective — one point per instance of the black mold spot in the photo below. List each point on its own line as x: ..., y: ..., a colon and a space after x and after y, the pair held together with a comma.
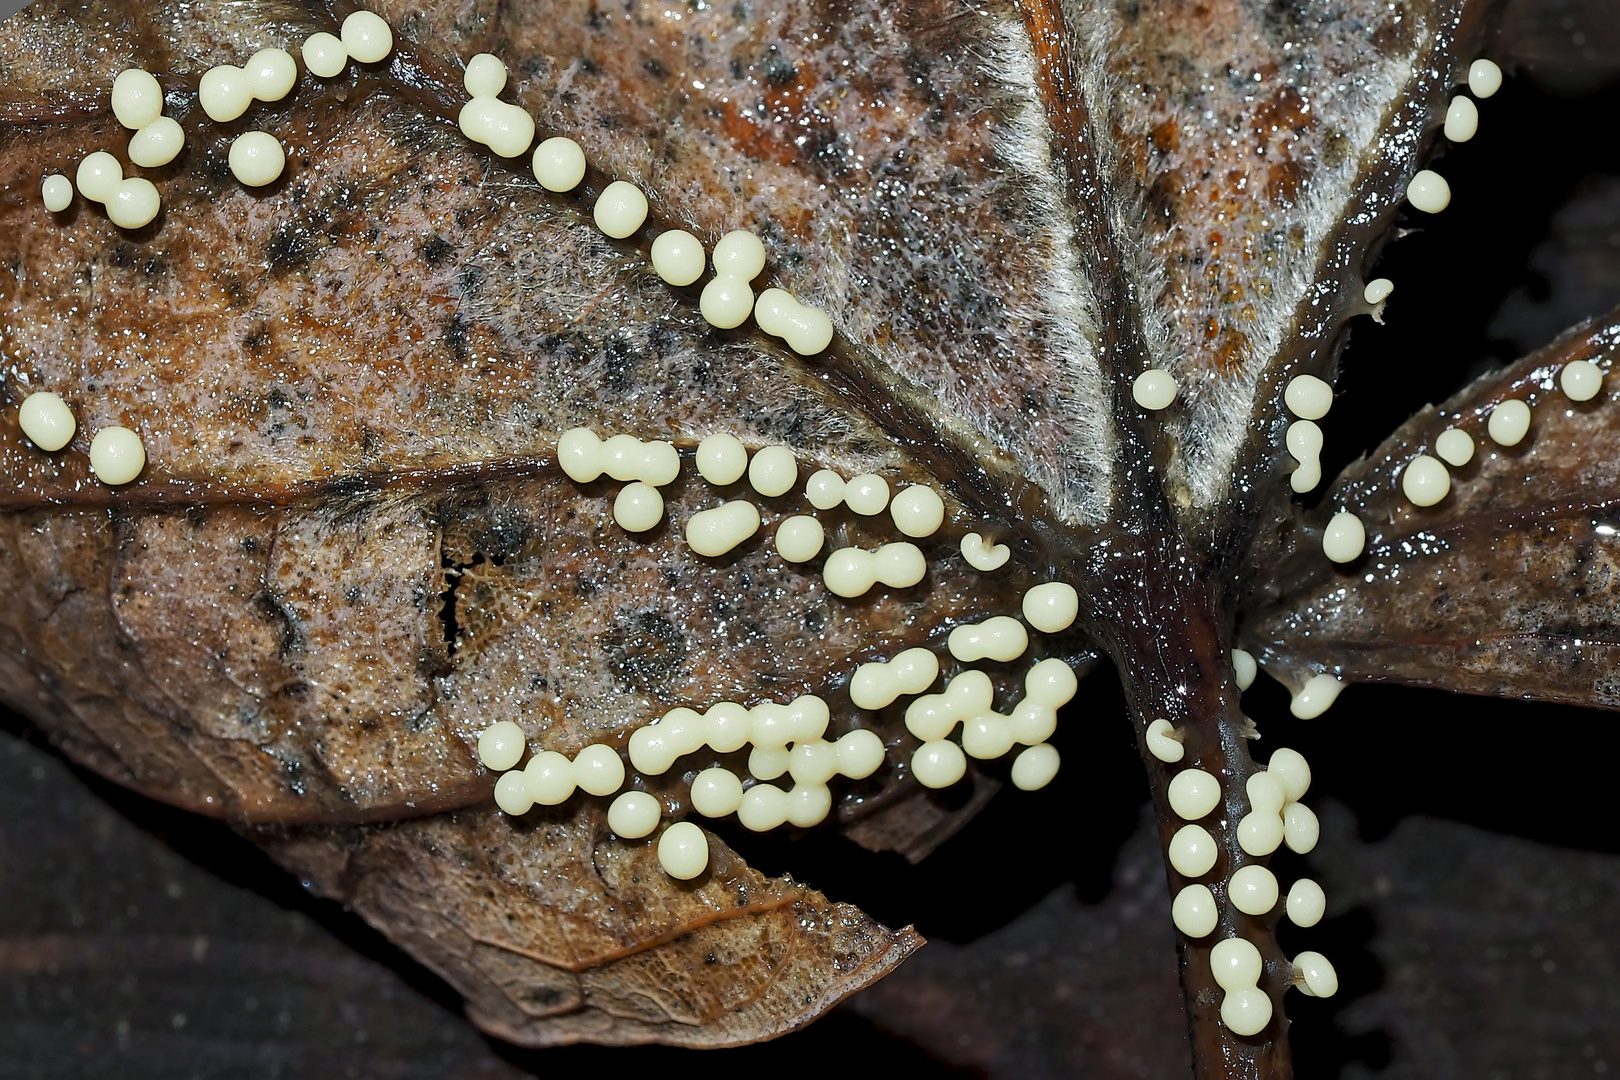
x: 618, y: 365
x: 435, y: 250
x: 645, y: 651
x: 455, y: 337
x: 655, y: 67
x: 470, y: 280
x: 289, y: 248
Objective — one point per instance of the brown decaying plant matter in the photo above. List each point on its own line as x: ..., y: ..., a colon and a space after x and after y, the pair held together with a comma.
x: 352, y: 549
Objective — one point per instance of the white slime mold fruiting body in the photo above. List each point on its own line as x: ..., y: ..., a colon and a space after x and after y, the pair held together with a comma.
x: 1193, y: 794
x: 677, y: 256
x: 1048, y: 686
x: 367, y: 37
x: 584, y: 457
x: 726, y: 302
x: 852, y: 572
x: 933, y: 717
x: 1581, y: 380
x: 1051, y: 607
x: 1425, y: 481
x: 938, y: 764
x: 47, y: 421
x: 1429, y: 192
x: 1314, y: 975
x: 824, y: 489
x: 1455, y: 447
x: 501, y: 746
x: 620, y: 210
x: 1306, y: 904
x: 1304, y: 442
x: 918, y: 511
x: 1509, y: 422
x: 224, y: 93
x: 683, y: 851
x: 982, y: 556
x: 98, y: 176
x: 800, y: 720
x: 1164, y: 742
x: 558, y: 165
x: 773, y: 471
x: 507, y: 130
x: 1194, y: 911
x: 1260, y: 833
x: 137, y: 98
x: 799, y: 538
x: 1378, y: 290
x: 1035, y: 767
x: 716, y: 792
x: 716, y: 531
x: 56, y: 192
x: 638, y: 507
x: 1308, y: 397
x: 634, y: 814
x: 721, y: 458
x: 1462, y: 119
x: 1154, y: 389
x: 1345, y: 538
x: 256, y: 158
x: 116, y: 455
x: 158, y: 143
x: 1291, y: 772
x: 740, y: 254
x: 324, y: 55
x: 1314, y: 698
x: 1193, y: 851
x: 878, y: 684
x: 866, y: 494
x: 271, y: 74
x: 1484, y: 78
x: 1253, y: 890
x: 485, y: 76
x: 512, y: 794
x: 549, y: 778
x: 134, y: 204
x: 999, y: 637
x: 598, y: 770
x: 1244, y: 669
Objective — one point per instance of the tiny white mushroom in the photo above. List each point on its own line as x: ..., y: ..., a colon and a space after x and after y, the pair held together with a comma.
x: 1429, y: 192
x: 1154, y: 389
x: 1509, y: 422
x: 1194, y: 911
x: 1580, y: 380
x: 1425, y: 480
x: 1484, y: 78
x: 1345, y: 538
x: 1455, y: 447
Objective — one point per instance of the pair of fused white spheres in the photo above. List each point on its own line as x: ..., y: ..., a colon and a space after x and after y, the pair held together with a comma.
x: 226, y: 91
x: 131, y: 203
x: 679, y: 259
x: 366, y: 37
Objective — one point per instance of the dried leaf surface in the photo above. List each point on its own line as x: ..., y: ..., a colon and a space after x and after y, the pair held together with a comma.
x: 1506, y: 587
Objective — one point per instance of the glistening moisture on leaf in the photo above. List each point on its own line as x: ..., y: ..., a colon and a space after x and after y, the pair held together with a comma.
x: 360, y: 540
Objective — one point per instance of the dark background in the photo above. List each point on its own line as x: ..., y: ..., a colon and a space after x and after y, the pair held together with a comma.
x: 1470, y: 849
